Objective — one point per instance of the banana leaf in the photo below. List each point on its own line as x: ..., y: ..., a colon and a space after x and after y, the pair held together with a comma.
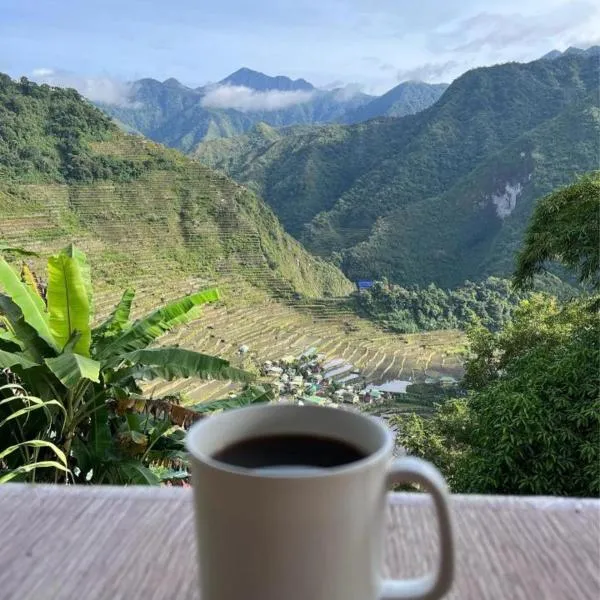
x: 71, y: 368
x: 13, y: 359
x: 148, y: 329
x: 26, y: 336
x: 254, y: 394
x: 30, y: 304
x: 68, y: 303
x: 118, y: 319
x: 171, y: 363
x: 9, y: 342
x: 136, y: 473
x: 86, y: 273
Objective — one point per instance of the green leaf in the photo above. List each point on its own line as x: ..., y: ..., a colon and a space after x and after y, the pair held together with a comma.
x: 35, y: 347
x: 9, y: 342
x: 118, y: 319
x: 30, y: 304
x: 43, y: 464
x: 71, y: 368
x: 68, y: 303
x: 36, y: 404
x: 12, y: 359
x: 136, y: 473
x: 170, y: 363
x: 84, y: 268
x: 253, y: 395
x: 146, y: 330
x: 36, y: 444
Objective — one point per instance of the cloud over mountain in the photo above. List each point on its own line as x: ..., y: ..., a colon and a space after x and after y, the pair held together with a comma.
x: 246, y: 99
x: 104, y: 89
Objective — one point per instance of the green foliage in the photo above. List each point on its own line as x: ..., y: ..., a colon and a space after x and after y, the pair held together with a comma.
x: 565, y: 228
x: 442, y: 438
x: 535, y: 426
x: 45, y: 135
x: 407, y: 310
x: 530, y: 423
x: 88, y: 380
x: 21, y: 456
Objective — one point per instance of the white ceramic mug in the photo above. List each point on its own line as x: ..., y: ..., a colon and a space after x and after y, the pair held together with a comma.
x: 314, y: 534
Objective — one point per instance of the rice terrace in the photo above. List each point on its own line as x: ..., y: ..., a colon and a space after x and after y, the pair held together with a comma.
x: 272, y: 329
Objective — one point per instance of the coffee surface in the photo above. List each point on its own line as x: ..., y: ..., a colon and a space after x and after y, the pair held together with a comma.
x: 289, y: 450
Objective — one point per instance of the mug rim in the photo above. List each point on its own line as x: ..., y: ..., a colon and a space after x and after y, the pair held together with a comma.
x: 385, y: 449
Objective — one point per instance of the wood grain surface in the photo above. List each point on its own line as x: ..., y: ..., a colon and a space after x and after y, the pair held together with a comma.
x: 94, y: 543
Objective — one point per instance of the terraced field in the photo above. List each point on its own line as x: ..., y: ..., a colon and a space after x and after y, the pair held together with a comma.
x: 274, y: 329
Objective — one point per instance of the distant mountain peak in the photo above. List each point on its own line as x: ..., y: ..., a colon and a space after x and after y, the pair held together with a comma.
x: 552, y: 55
x: 172, y: 82
x: 259, y: 81
x: 571, y: 51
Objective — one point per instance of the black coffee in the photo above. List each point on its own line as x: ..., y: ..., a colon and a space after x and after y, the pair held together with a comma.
x: 289, y: 450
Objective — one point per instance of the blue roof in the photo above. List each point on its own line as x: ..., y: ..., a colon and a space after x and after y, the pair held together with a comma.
x: 364, y: 284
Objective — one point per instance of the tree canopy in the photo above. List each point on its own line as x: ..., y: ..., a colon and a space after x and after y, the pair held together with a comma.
x: 564, y: 228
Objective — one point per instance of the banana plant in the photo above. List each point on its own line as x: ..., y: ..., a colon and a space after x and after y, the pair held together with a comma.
x: 86, y: 373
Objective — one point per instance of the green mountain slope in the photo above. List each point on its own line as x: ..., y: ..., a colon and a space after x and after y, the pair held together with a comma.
x: 68, y: 174
x: 407, y: 98
x: 475, y: 228
x: 341, y: 188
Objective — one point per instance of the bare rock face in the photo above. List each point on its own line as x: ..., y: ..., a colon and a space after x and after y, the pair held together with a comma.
x: 506, y: 201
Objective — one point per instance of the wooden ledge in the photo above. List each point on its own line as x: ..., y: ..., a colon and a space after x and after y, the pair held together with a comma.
x: 108, y: 543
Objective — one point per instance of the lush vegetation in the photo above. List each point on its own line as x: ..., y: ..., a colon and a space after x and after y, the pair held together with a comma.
x: 530, y: 418
x: 440, y: 196
x: 565, y: 228
x: 407, y: 310
x: 72, y: 405
x: 142, y: 210
x: 489, y: 303
x: 45, y: 135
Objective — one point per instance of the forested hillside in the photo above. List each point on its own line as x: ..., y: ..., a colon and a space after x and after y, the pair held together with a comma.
x: 440, y: 196
x: 67, y: 174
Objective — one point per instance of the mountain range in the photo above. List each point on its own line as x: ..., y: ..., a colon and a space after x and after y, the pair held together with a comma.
x: 182, y: 117
x: 443, y: 195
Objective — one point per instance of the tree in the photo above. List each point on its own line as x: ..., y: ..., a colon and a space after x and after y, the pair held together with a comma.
x: 89, y: 379
x: 565, y: 227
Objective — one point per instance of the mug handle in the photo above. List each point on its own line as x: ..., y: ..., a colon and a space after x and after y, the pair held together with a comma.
x: 434, y: 585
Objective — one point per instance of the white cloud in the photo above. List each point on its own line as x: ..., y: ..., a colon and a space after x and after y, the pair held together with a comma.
x: 430, y: 72
x: 348, y: 92
x: 43, y: 72
x: 498, y: 32
x: 246, y: 99
x: 107, y: 90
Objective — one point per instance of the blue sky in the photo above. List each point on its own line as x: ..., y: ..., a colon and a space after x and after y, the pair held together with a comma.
x: 375, y: 43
